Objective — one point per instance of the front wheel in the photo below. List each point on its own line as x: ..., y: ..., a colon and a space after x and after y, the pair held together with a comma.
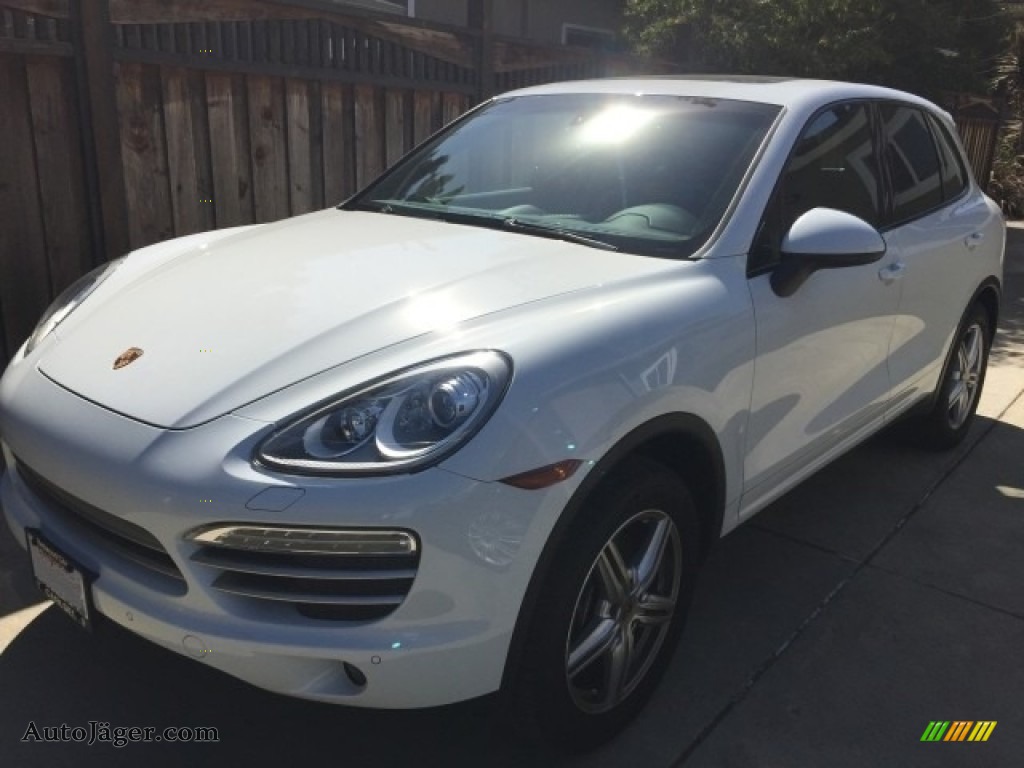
x: 963, y: 377
x: 614, y: 607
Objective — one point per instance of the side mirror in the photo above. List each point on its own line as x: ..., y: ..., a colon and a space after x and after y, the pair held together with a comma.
x: 824, y: 238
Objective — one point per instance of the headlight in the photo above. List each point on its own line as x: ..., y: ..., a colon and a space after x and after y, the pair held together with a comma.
x: 408, y: 420
x: 68, y: 301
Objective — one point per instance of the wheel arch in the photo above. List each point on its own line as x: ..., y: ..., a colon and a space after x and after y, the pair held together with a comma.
x: 682, y: 442
x: 989, y: 294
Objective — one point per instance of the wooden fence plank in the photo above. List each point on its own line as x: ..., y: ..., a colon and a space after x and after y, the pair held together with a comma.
x: 422, y: 116
x: 339, y: 163
x: 203, y: 149
x: 228, y: 45
x: 100, y: 126
x: 143, y: 154
x: 187, y: 203
x: 300, y: 30
x: 409, y: 106
x: 288, y: 42
x: 229, y: 144
x: 274, y: 42
x: 436, y: 112
x: 65, y: 217
x: 150, y: 217
x: 369, y: 137
x: 394, y: 125
x: 452, y: 107
x: 269, y: 154
x: 299, y: 164
x: 24, y: 282
x: 316, y: 145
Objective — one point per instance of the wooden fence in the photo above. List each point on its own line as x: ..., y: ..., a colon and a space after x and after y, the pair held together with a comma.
x: 127, y: 122
x: 978, y: 120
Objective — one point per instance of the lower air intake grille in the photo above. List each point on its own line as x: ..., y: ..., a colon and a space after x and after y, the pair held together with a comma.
x: 340, y: 575
x: 112, y: 533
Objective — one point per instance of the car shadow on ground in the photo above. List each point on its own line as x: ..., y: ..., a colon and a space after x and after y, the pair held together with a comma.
x: 758, y: 589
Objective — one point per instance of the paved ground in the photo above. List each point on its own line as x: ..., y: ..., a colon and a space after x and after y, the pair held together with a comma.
x: 882, y: 594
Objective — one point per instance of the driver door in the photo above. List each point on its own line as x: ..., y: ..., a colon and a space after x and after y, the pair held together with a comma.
x: 821, y: 375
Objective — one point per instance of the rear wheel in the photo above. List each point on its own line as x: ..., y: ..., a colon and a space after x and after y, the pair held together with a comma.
x: 956, y: 400
x: 614, y: 608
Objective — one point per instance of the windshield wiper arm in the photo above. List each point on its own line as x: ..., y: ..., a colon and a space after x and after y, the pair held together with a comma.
x: 458, y: 217
x: 556, y: 233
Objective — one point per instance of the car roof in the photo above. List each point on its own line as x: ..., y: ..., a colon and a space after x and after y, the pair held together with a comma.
x: 785, y: 92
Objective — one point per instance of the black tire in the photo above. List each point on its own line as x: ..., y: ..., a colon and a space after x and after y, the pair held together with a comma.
x: 947, y: 423
x: 643, y: 508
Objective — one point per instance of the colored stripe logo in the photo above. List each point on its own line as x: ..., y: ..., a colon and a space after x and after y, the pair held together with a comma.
x: 958, y: 730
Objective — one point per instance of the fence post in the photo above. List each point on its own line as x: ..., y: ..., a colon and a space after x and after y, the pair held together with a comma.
x: 481, y: 18
x: 101, y: 135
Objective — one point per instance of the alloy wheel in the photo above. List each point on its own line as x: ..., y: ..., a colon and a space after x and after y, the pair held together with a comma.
x: 623, y: 612
x: 965, y: 375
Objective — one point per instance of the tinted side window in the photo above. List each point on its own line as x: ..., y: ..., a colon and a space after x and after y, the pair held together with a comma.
x: 833, y: 165
x: 912, y: 161
x: 954, y: 176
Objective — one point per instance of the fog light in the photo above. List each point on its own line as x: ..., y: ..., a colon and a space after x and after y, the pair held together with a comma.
x: 358, y: 678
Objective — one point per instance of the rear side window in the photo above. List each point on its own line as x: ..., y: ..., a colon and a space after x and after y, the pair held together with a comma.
x: 913, y: 162
x: 954, y: 175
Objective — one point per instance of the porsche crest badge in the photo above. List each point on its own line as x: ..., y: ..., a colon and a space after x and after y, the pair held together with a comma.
x: 127, y: 357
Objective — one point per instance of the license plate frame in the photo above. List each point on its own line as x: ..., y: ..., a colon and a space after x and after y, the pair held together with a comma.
x: 61, y: 579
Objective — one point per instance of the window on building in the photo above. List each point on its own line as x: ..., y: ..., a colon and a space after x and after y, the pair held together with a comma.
x: 404, y: 7
x: 588, y: 37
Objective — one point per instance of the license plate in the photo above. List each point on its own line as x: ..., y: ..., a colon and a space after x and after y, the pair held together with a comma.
x: 60, y: 579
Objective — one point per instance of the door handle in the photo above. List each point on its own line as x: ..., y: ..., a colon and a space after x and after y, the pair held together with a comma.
x: 973, y: 240
x: 890, y: 273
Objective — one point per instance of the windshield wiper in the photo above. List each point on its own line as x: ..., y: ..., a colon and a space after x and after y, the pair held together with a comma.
x: 460, y: 217
x: 384, y: 206
x: 556, y: 233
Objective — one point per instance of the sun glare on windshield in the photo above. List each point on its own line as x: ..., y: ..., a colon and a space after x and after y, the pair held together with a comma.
x: 616, y: 125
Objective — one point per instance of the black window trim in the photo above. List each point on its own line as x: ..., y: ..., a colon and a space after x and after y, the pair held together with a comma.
x: 940, y: 132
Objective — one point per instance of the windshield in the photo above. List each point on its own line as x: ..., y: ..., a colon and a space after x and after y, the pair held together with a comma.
x: 651, y: 175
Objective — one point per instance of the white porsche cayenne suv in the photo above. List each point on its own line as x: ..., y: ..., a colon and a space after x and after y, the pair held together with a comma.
x: 476, y: 428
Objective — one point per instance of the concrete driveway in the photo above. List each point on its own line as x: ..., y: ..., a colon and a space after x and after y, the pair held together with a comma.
x: 884, y: 593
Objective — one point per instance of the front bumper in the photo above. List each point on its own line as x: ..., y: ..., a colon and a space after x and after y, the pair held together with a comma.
x: 446, y: 642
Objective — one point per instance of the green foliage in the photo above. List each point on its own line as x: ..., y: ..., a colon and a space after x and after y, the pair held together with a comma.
x: 925, y: 46
x: 1008, y: 170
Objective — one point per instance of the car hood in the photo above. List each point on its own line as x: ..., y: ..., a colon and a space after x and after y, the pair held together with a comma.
x: 226, y: 322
